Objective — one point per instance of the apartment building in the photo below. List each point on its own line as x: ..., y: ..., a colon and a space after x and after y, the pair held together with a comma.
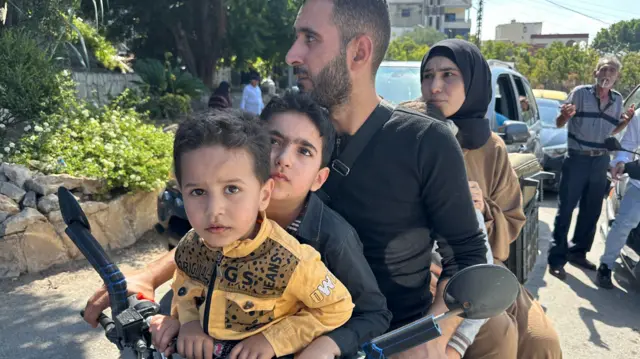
x: 450, y: 17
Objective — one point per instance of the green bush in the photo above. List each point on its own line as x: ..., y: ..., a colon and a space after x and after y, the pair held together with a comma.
x: 30, y: 84
x: 160, y: 79
x: 111, y: 143
x: 169, y: 106
x: 170, y: 89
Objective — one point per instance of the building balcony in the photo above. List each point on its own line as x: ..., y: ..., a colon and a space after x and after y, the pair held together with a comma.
x: 457, y: 24
x: 449, y: 3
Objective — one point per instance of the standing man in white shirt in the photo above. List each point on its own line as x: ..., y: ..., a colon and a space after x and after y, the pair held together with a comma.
x: 628, y: 216
x: 252, y: 96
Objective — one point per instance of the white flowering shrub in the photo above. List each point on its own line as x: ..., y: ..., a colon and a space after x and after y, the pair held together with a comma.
x: 110, y: 143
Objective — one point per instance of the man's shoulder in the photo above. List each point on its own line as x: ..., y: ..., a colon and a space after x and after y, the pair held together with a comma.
x: 582, y: 88
x: 405, y: 121
x: 617, y: 95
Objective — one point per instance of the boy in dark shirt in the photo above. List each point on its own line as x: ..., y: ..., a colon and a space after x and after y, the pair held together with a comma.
x: 302, y: 139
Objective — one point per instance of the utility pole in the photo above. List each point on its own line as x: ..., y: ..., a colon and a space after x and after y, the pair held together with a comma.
x: 479, y: 22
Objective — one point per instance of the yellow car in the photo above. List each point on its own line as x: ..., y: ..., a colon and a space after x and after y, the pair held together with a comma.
x: 550, y: 94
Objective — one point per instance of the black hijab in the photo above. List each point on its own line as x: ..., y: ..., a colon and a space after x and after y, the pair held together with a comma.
x: 473, y: 126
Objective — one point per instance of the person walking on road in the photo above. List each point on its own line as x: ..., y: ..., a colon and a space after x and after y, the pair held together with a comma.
x: 594, y: 112
x: 252, y: 96
x: 628, y: 216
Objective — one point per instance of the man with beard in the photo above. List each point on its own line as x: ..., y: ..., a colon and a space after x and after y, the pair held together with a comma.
x: 398, y: 177
x: 594, y: 112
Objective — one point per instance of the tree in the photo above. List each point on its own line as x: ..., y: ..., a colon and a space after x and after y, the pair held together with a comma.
x: 623, y: 36
x: 630, y: 76
x: 425, y: 35
x: 204, y: 32
x: 405, y: 49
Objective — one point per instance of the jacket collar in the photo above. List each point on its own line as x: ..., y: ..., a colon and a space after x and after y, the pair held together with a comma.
x: 310, y: 225
x: 244, y: 247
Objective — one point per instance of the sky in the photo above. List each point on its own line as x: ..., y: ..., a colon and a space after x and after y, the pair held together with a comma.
x: 554, y: 18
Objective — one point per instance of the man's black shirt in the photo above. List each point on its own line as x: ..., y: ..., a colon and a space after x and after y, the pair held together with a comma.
x: 408, y: 187
x: 341, y: 251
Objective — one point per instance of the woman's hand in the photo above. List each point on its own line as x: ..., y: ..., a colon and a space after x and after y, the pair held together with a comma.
x: 477, y: 196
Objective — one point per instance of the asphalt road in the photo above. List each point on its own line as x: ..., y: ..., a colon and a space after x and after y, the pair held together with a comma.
x: 39, y: 313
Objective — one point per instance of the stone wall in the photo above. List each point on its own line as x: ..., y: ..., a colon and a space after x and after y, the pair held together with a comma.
x: 102, y: 86
x: 32, y: 236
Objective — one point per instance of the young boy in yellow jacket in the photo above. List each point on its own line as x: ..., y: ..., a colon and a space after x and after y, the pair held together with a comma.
x: 241, y: 278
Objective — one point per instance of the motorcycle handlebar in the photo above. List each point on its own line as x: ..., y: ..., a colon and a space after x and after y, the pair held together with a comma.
x: 78, y: 230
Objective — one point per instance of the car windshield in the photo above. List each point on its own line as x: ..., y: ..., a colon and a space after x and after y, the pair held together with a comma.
x: 398, y: 84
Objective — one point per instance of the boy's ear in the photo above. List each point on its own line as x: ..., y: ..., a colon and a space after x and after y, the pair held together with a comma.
x: 321, y: 178
x: 265, y: 194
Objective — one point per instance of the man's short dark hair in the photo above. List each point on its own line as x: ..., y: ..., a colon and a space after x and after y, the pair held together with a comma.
x: 302, y: 103
x: 229, y: 128
x: 357, y: 17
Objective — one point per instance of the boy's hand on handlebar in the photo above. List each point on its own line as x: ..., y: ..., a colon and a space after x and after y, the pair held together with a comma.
x: 255, y: 347
x: 163, y: 329
x: 137, y: 282
x: 193, y: 342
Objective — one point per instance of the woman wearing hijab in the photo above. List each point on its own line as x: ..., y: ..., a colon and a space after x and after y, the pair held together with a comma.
x: 457, y: 80
x: 221, y: 97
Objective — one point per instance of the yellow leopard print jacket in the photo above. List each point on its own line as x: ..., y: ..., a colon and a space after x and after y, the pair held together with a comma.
x: 270, y: 284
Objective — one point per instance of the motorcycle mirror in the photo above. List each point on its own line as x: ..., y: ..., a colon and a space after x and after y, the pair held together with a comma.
x: 612, y: 144
x: 70, y: 209
x: 481, y: 291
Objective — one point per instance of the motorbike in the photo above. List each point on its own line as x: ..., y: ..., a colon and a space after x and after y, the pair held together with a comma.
x: 476, y: 292
x: 630, y: 253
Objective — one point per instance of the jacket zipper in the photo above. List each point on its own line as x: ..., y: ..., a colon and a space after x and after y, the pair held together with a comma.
x: 212, y: 282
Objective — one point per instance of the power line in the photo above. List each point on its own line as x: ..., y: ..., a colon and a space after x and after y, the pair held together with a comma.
x: 577, y: 12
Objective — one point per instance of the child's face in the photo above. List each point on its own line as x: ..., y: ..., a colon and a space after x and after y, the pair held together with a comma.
x: 222, y: 195
x: 296, y: 156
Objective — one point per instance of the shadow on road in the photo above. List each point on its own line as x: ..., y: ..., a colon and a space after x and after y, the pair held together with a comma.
x: 608, y: 305
x: 34, y: 327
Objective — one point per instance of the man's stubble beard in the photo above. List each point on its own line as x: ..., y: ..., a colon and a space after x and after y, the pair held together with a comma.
x: 332, y: 86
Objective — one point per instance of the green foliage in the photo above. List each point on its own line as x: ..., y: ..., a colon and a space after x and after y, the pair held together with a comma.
x: 405, y: 49
x: 160, y: 79
x: 53, y: 24
x: 30, y: 84
x: 630, y: 76
x: 169, y: 106
x: 102, y: 49
x: 621, y: 37
x: 203, y: 33
x: 110, y: 143
x: 170, y: 89
x: 561, y: 67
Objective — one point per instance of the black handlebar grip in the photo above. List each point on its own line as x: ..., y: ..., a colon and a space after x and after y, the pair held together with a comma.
x: 78, y: 231
x: 403, y: 338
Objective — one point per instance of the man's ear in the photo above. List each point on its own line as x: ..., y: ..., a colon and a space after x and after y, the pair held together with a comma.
x: 265, y: 194
x: 360, y: 53
x: 321, y: 178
